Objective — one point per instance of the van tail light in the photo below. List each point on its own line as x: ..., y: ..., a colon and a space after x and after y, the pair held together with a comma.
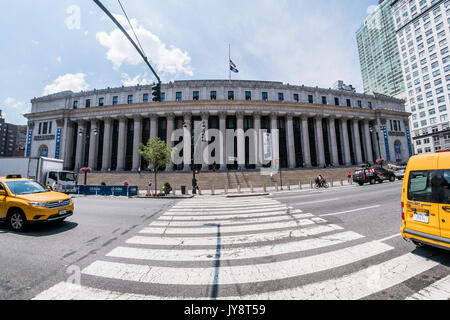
x: 403, y: 211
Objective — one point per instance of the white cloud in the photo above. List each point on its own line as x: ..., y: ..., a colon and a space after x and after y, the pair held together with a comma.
x: 74, y: 82
x: 167, y: 59
x: 58, y: 59
x: 139, y: 79
x: 13, y: 103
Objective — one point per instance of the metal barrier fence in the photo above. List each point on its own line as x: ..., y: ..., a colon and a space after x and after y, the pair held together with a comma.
x: 118, y: 191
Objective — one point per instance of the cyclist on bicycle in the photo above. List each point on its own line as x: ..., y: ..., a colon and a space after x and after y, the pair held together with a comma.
x: 320, y: 180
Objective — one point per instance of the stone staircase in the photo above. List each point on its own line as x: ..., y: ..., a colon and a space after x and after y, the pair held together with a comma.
x: 218, y: 180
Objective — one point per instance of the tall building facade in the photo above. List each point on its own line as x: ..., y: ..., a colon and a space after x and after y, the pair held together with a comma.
x: 379, y: 54
x: 310, y: 126
x: 422, y: 28
x: 12, y: 139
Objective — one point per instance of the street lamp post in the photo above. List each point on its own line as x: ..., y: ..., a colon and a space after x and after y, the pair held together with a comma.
x: 86, y: 138
x: 194, y: 179
x: 372, y: 130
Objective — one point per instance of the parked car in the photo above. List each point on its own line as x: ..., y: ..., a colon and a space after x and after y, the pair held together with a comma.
x: 399, y: 173
x: 373, y: 175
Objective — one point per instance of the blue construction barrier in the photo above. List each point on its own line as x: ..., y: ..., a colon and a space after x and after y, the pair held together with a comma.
x: 118, y: 191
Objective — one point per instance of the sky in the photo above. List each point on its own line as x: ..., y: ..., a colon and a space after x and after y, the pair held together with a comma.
x: 50, y: 46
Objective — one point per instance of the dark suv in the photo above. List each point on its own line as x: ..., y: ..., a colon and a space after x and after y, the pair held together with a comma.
x: 372, y: 176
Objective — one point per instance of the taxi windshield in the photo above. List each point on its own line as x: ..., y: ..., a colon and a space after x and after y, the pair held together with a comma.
x: 26, y: 187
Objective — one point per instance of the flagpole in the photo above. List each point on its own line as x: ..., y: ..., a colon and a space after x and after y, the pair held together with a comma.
x: 229, y: 59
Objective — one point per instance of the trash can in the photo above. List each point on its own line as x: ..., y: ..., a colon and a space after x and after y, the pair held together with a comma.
x: 183, y: 190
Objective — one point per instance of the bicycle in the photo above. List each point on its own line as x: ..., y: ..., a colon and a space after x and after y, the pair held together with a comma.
x: 319, y: 185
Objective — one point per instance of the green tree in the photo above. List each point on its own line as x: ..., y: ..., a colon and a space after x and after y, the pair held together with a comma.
x: 157, y: 154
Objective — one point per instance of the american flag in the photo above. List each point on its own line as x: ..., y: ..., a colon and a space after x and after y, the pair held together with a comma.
x: 233, y: 67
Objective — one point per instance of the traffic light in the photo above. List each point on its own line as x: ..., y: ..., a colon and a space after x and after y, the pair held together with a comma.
x: 156, y: 92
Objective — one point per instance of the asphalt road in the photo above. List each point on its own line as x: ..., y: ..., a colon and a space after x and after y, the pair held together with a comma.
x: 32, y: 261
x: 339, y: 243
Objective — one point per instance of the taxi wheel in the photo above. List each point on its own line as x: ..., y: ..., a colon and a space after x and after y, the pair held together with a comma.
x: 392, y: 179
x: 17, y: 220
x: 372, y: 181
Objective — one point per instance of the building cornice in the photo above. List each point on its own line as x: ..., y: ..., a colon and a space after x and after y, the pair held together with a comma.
x: 238, y: 84
x: 179, y: 108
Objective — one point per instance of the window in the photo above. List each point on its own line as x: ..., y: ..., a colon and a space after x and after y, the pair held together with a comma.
x: 230, y: 95
x: 163, y: 96
x: 145, y: 98
x: 296, y: 97
x: 336, y: 101
x: 349, y: 103
x: 213, y: 95
x: 88, y: 103
x: 101, y: 102
x: 324, y: 100
x: 248, y: 95
x: 115, y: 100
x: 178, y: 96
x: 75, y: 104
x: 195, y: 95
x: 44, y: 128
x: 265, y: 96
x: 280, y: 96
x: 310, y: 98
x: 359, y: 103
x: 420, y: 186
x: 130, y: 99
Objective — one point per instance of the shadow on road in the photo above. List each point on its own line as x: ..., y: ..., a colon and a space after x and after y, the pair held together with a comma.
x: 435, y: 254
x: 42, y: 230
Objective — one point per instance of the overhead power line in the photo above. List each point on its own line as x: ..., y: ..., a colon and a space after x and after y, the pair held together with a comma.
x: 135, y: 35
x: 142, y: 54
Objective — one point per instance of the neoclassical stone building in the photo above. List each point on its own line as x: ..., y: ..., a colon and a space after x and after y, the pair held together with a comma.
x: 312, y: 127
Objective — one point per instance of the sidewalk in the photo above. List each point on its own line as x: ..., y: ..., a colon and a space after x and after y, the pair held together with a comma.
x: 257, y: 190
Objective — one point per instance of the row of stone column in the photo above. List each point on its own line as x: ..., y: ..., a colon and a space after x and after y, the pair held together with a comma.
x: 290, y: 140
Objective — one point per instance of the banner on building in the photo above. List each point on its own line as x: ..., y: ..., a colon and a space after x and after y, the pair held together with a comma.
x: 30, y: 136
x: 58, y: 143
x: 267, y: 146
x: 408, y: 136
x: 386, y: 143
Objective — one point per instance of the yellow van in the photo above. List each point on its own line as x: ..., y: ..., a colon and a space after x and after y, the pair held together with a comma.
x: 426, y: 200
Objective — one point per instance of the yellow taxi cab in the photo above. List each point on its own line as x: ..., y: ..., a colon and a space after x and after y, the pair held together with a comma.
x: 25, y: 201
x: 426, y: 200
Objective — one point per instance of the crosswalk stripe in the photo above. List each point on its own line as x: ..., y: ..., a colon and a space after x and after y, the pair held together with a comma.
x: 227, y: 229
x: 234, y: 253
x: 213, y: 203
x: 236, y: 274
x: 217, y: 210
x: 356, y: 285
x: 227, y: 210
x: 247, y: 239
x: 439, y: 290
x: 70, y: 291
x: 318, y: 201
x: 199, y: 217
x: 170, y: 223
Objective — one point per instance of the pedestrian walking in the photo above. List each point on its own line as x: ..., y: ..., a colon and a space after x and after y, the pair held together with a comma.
x: 349, y: 177
x: 139, y: 170
x: 150, y: 182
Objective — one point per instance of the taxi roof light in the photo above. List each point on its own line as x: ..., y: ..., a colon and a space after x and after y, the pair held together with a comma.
x: 14, y: 176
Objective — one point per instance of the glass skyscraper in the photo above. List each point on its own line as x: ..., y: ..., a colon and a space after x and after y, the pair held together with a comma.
x: 379, y: 53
